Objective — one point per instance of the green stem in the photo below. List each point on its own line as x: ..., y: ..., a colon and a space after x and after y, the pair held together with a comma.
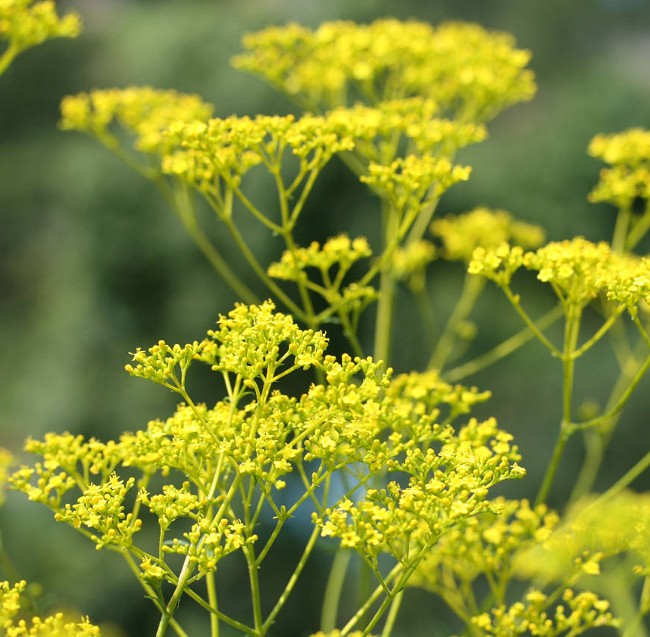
x: 392, y: 614
x: 639, y: 230
x: 472, y: 288
x: 621, y: 228
x: 212, y: 600
x: 571, y: 333
x: 292, y: 580
x: 630, y: 476
x: 185, y: 211
x: 387, y: 285
x: 503, y: 349
x: 516, y: 303
x: 397, y: 569
x: 334, y: 590
x: 384, y: 320
x: 261, y: 273
x: 8, y: 56
x: 243, y: 628
x: 254, y: 584
x: 620, y: 404
x: 153, y: 595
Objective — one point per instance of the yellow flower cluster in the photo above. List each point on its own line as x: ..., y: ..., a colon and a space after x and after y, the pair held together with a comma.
x: 411, y: 261
x: 378, y: 129
x: 254, y: 341
x: 538, y: 615
x: 628, y: 178
x: 470, y: 72
x: 485, y: 545
x: 332, y: 261
x: 444, y: 489
x: 27, y: 23
x: 410, y: 182
x: 208, y: 541
x: 594, y: 531
x: 56, y: 625
x: 226, y: 149
x: 143, y: 112
x: 577, y: 270
x: 101, y: 508
x: 164, y: 364
x: 358, y: 421
x: 483, y: 227
x: 340, y: 251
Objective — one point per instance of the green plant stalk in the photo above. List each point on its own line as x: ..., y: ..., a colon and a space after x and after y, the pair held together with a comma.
x: 8, y: 56
x: 472, y: 287
x: 639, y: 230
x: 630, y: 476
x: 379, y: 590
x: 392, y: 614
x: 621, y: 229
x: 387, y: 284
x: 571, y: 333
x: 261, y: 273
x: 597, y: 438
x: 503, y: 349
x: 599, y: 420
x: 185, y: 212
x: 151, y: 593
x: 516, y: 303
x: 287, y: 228
x: 292, y: 580
x: 334, y: 590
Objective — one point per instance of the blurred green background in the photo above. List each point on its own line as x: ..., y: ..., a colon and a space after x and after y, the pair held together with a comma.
x: 93, y: 264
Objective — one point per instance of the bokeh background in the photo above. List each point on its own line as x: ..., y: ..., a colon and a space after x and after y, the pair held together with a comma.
x: 93, y: 264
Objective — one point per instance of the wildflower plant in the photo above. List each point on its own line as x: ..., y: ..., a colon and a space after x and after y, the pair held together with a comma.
x: 397, y: 469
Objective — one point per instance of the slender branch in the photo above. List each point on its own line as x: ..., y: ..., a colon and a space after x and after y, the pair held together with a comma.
x: 472, y: 288
x: 292, y: 580
x: 571, y: 333
x: 504, y: 348
x: 516, y: 303
x: 334, y: 589
x: 185, y: 211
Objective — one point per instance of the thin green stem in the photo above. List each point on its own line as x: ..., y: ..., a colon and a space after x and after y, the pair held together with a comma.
x: 392, y: 614
x: 246, y: 630
x: 287, y: 229
x: 604, y: 328
x: 534, y: 328
x: 334, y: 590
x: 379, y: 590
x: 384, y: 320
x: 619, y: 238
x: 588, y: 424
x: 261, y: 272
x: 155, y: 597
x: 628, y: 478
x: 387, y: 284
x: 472, y: 287
x: 639, y: 230
x: 8, y: 56
x: 212, y: 600
x: 571, y: 333
x: 503, y: 349
x: 309, y: 547
x: 185, y: 212
x: 254, y: 585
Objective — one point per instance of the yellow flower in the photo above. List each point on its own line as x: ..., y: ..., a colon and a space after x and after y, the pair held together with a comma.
x: 27, y: 23
x: 471, y: 73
